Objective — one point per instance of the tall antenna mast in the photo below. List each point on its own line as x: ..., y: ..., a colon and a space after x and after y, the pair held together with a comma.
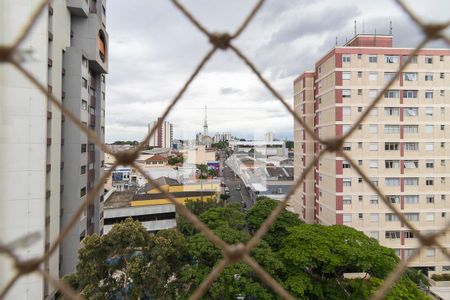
x: 336, y: 41
x: 390, y: 27
x: 375, y: 38
x: 355, y: 26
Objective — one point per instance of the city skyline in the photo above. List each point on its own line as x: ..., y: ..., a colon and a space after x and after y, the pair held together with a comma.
x: 283, y: 40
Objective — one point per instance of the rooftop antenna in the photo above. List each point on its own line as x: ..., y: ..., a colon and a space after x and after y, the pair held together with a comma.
x: 355, y: 26
x: 390, y: 27
x: 364, y: 30
x: 375, y: 38
x: 336, y: 41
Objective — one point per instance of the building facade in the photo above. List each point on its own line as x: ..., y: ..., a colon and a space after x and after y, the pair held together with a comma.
x: 163, y: 137
x: 58, y: 165
x: 402, y: 145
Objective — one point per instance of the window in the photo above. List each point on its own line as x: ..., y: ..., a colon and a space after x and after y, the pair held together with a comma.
x: 408, y: 234
x: 83, y: 170
x: 413, y: 59
x: 429, y: 146
x: 347, y: 182
x: 394, y: 199
x: 410, y: 94
x: 411, y: 164
x: 347, y: 111
x: 84, y: 82
x: 430, y: 252
x: 347, y: 218
x: 442, y: 93
x: 347, y: 146
x: 390, y: 217
x: 391, y: 59
x: 392, y: 234
x: 412, y: 216
x: 84, y: 61
x: 373, y: 128
x: 374, y: 199
x: 103, y: 95
x: 391, y: 128
x: 429, y: 199
x: 373, y: 146
x: 392, y: 111
x: 391, y: 181
x: 429, y: 164
x: 428, y: 59
x: 442, y: 180
x: 359, y: 109
x: 359, y: 74
x: 442, y: 127
x: 428, y: 111
x: 428, y: 76
x: 359, y: 55
x: 374, y: 181
x: 442, y: 162
x: 408, y: 252
x: 392, y: 94
x: 346, y: 93
x: 373, y: 94
x: 441, y: 57
x: 411, y: 146
x: 428, y: 94
x: 429, y: 128
x: 360, y: 198
x: 388, y: 76
x: 412, y: 199
x: 410, y: 76
x: 442, y: 143
x: 346, y: 164
x: 83, y: 148
x: 441, y: 75
x: 346, y: 128
x: 360, y: 145
x: 429, y: 216
x: 391, y: 146
x: 373, y: 112
x: 373, y: 164
x: 360, y: 162
x: 373, y: 58
x: 391, y: 164
x: 373, y: 217
x: 345, y: 57
x: 360, y: 92
x: 411, y: 128
x: 411, y: 111
x: 82, y: 192
x: 411, y: 181
x: 373, y: 76
x: 346, y: 75
x: 347, y: 200
x: 429, y: 181
x: 84, y: 104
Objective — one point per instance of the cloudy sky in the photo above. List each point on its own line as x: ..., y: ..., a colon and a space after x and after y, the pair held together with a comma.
x: 153, y: 50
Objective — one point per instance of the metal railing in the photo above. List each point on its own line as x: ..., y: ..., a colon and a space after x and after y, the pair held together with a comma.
x: 10, y: 54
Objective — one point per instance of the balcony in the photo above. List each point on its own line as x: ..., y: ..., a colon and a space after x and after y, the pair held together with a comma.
x: 61, y: 188
x: 78, y: 7
x: 49, y: 141
x: 63, y: 95
x: 49, y: 89
x: 62, y: 165
x: 50, y: 62
x: 91, y: 156
x: 63, y: 72
x: 49, y: 167
x: 62, y: 142
x: 50, y: 36
x: 48, y: 194
x: 92, y: 120
x: 49, y: 115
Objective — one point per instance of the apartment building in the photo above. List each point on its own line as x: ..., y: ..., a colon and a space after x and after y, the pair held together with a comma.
x: 403, y: 145
x: 163, y: 137
x: 48, y: 164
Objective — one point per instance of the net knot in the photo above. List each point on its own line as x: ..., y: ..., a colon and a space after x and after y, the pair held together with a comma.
x: 126, y: 158
x: 433, y: 30
x: 220, y: 40
x: 5, y: 53
x: 28, y: 266
x: 235, y: 253
x: 333, y: 144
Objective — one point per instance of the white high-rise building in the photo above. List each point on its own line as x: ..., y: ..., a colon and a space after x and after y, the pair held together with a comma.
x: 48, y: 165
x: 163, y: 137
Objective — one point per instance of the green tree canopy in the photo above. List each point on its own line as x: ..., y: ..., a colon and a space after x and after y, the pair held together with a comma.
x: 279, y: 230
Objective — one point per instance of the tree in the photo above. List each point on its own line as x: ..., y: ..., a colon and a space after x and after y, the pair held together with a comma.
x: 289, y: 144
x: 280, y: 229
x: 129, y: 262
x: 203, y: 169
x: 317, y: 256
x: 176, y: 160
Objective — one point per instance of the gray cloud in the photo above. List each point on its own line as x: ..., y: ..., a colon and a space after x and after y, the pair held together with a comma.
x: 229, y: 91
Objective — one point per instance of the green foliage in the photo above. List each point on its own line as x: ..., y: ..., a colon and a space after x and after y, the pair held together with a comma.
x: 176, y: 160
x: 125, y: 143
x: 220, y: 145
x: 440, y: 277
x: 289, y: 144
x: 224, y: 197
x: 279, y: 230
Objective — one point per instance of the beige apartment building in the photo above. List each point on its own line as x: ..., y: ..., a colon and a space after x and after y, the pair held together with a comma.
x: 403, y: 145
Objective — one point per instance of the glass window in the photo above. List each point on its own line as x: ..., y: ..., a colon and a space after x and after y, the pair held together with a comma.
x: 373, y: 234
x: 391, y: 146
x: 412, y: 199
x: 347, y: 182
x: 373, y: 94
x: 374, y: 199
x: 392, y: 164
x: 392, y: 94
x: 346, y: 110
x: 392, y: 181
x: 412, y: 181
x: 347, y: 218
x: 373, y: 146
x: 346, y: 75
x: 411, y: 146
x: 84, y: 82
x: 373, y: 76
x: 391, y: 217
x: 373, y: 217
x: 429, y: 199
x: 429, y: 146
x: 429, y: 181
x: 408, y: 234
x: 345, y: 57
x: 373, y: 128
x: 429, y: 128
x: 428, y: 76
x: 392, y: 111
x: 412, y: 216
x: 391, y: 59
x: 391, y: 128
x: 410, y: 76
x: 373, y: 58
x: 347, y: 200
x: 84, y: 104
x: 411, y: 164
x: 428, y: 94
x: 429, y: 216
x: 411, y: 128
x: 428, y: 59
x: 430, y: 252
x: 411, y: 111
x: 410, y: 94
x: 83, y: 148
x: 429, y: 164
x: 428, y: 111
x: 346, y: 93
x: 347, y: 146
x: 392, y: 234
x: 346, y: 164
x: 82, y: 192
x: 373, y: 164
x: 393, y: 199
x: 388, y: 76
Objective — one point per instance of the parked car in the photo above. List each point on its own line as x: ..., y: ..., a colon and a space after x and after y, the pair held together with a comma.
x: 238, y: 188
x: 227, y: 190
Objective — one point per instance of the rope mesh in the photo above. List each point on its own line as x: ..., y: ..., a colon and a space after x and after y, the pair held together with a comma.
x: 9, y: 54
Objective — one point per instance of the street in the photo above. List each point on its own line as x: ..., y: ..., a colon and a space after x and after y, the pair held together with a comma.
x: 232, y: 183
